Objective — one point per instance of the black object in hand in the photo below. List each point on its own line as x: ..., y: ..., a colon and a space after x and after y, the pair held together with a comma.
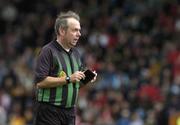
x: 89, y: 75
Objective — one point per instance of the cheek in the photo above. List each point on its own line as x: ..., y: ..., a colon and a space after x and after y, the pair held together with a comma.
x: 72, y: 36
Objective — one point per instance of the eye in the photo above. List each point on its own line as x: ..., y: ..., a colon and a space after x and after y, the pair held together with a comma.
x: 76, y: 30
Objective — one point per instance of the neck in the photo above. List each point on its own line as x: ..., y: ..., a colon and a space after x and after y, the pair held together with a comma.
x: 64, y: 46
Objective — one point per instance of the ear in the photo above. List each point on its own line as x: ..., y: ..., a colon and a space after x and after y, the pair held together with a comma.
x: 61, y: 31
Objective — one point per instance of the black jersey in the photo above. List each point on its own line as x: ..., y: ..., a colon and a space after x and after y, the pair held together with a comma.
x: 54, y: 61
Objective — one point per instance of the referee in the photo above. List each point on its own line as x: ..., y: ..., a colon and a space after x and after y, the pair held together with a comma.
x: 58, y: 75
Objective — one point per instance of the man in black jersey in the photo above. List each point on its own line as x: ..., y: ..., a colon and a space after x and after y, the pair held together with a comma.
x: 58, y: 74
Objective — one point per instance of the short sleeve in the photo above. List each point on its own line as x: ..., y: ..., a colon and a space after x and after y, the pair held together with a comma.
x: 43, y: 64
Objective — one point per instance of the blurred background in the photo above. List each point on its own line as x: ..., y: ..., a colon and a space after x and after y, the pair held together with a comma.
x: 134, y: 45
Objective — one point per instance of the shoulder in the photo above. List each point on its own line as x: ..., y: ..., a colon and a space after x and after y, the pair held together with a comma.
x: 48, y: 47
x: 75, y: 51
x: 46, y: 50
x: 77, y: 54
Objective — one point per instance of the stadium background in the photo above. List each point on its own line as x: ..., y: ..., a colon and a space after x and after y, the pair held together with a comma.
x: 134, y: 45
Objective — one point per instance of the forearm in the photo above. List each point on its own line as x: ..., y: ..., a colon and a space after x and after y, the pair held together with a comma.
x: 50, y: 82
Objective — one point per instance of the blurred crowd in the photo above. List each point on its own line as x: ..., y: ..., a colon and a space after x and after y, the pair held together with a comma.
x: 134, y: 45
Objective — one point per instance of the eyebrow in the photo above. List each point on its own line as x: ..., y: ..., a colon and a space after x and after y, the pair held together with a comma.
x: 76, y: 28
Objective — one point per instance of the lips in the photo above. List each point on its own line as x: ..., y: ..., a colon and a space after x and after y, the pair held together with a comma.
x: 75, y: 39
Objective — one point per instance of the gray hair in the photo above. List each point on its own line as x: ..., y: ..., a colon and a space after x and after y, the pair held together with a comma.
x: 61, y: 20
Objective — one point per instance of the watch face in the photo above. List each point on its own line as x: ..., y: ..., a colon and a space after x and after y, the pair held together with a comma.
x: 68, y: 79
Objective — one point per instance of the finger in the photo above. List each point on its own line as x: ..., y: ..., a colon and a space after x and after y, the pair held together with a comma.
x: 79, y: 77
x: 94, y: 79
x: 81, y: 74
x: 95, y: 73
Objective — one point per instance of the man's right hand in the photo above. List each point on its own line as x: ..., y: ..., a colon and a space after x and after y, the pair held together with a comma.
x: 77, y: 76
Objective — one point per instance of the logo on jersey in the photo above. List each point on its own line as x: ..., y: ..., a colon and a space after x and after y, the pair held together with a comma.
x: 62, y: 74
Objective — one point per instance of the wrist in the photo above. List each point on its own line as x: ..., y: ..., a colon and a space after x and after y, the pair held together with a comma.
x: 67, y: 79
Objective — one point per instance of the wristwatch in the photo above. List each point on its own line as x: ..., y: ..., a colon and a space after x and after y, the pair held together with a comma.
x: 67, y: 79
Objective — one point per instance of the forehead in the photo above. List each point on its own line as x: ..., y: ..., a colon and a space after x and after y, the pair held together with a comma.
x: 73, y: 23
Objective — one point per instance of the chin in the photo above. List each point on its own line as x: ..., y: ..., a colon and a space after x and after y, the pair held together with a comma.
x: 73, y: 45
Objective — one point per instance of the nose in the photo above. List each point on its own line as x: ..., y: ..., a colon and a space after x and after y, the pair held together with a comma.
x: 79, y: 33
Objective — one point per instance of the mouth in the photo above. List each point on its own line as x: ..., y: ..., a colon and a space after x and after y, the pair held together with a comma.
x: 75, y: 40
